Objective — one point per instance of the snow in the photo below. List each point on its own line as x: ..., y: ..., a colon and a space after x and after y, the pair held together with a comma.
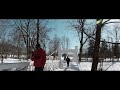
x: 113, y: 66
x: 57, y: 65
x: 53, y: 65
x: 85, y: 66
x: 11, y: 60
x: 13, y: 64
x: 107, y: 66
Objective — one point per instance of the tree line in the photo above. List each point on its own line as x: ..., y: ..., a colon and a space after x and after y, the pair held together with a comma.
x: 21, y: 35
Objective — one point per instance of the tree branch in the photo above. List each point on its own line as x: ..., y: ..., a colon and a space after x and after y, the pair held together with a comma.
x: 85, y: 41
x: 111, y: 22
x: 106, y: 21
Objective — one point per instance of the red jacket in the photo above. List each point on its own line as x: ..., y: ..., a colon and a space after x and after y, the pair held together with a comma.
x: 39, y: 58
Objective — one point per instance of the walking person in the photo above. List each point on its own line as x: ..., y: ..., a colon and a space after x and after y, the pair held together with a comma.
x: 2, y: 59
x: 39, y: 58
x: 68, y: 61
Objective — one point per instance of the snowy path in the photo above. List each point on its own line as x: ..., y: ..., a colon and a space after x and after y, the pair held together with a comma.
x: 55, y: 65
x: 73, y: 67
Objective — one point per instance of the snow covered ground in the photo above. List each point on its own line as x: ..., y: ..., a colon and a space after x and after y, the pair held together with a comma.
x: 56, y: 65
x: 10, y: 64
x: 83, y: 66
x: 11, y: 60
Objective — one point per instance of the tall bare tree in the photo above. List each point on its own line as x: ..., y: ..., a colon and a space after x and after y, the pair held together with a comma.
x: 97, y: 45
x: 100, y: 23
x: 23, y: 26
x: 33, y: 31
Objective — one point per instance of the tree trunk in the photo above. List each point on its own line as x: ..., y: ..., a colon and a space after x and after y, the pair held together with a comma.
x: 37, y: 31
x: 27, y: 45
x: 28, y: 36
x: 18, y: 53
x: 81, y: 44
x: 97, y: 46
x: 80, y: 53
x: 29, y: 49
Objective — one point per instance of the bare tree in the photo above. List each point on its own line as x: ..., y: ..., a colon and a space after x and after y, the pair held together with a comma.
x: 3, y: 30
x: 23, y: 34
x: 80, y: 27
x: 97, y: 45
x: 24, y: 27
x: 116, y: 30
x: 17, y: 40
x: 100, y: 23
x: 116, y: 48
x: 32, y: 32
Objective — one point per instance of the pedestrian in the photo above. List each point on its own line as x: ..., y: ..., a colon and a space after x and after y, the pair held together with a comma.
x: 2, y: 59
x: 68, y: 61
x: 39, y: 58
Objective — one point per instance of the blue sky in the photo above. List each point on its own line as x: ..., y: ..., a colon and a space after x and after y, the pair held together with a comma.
x: 61, y: 28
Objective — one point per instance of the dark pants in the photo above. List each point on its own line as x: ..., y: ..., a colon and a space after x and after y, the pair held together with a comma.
x: 38, y: 69
x: 68, y: 64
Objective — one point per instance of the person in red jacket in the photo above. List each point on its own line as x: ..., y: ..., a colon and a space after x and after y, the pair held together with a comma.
x: 39, y: 58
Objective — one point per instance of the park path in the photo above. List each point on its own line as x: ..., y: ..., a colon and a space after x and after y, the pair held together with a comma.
x: 72, y: 67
